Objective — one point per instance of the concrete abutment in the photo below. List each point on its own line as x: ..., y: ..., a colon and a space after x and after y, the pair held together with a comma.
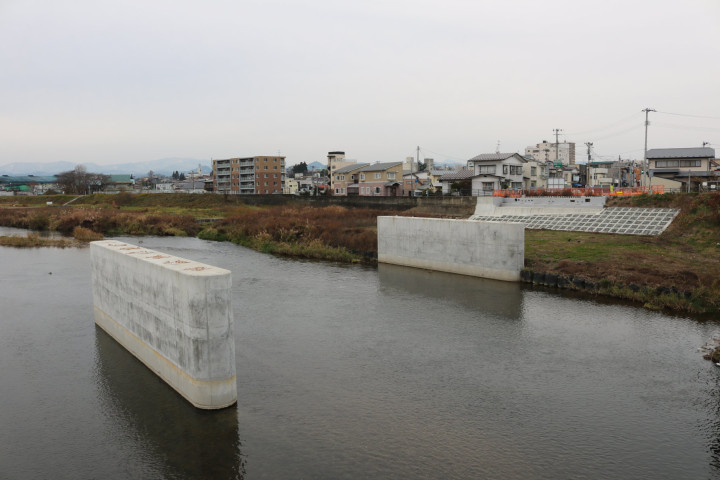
x: 173, y: 314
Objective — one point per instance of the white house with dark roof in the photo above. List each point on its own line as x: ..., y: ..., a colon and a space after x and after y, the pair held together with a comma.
x: 682, y: 168
x: 496, y: 170
x: 381, y: 180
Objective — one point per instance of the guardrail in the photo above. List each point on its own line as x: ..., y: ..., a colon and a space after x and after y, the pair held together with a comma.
x: 579, y: 192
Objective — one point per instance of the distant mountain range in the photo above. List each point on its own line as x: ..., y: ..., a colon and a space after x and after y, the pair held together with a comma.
x: 316, y: 166
x: 163, y: 166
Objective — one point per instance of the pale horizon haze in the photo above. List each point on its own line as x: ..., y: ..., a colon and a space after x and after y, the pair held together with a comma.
x: 108, y: 81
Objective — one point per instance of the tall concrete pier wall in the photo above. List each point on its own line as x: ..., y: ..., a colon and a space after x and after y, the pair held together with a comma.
x: 481, y: 249
x: 173, y: 314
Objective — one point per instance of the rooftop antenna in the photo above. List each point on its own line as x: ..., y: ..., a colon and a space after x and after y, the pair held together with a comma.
x: 705, y: 143
x: 497, y: 148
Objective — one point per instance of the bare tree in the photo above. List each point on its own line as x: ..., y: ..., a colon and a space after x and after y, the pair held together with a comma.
x: 81, y: 182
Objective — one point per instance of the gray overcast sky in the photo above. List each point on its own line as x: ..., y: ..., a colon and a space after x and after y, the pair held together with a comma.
x: 109, y: 81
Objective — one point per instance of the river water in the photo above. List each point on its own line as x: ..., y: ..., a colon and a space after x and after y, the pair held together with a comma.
x: 355, y: 372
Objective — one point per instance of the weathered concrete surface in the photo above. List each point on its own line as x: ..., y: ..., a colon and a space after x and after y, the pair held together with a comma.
x: 481, y: 249
x: 498, y: 206
x: 173, y: 314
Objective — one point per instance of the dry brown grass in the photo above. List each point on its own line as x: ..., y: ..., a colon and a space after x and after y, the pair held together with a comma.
x: 333, y: 226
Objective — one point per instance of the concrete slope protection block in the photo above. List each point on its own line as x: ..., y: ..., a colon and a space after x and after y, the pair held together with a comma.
x: 482, y: 249
x: 173, y: 314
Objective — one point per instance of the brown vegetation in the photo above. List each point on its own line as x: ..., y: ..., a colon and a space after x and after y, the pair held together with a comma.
x: 35, y: 240
x: 683, y: 259
x: 329, y: 228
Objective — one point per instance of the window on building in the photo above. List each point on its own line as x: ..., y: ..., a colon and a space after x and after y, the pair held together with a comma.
x: 266, y: 175
x: 265, y: 167
x: 378, y: 175
x: 362, y: 176
x: 505, y: 169
x: 488, y: 186
x: 377, y: 190
x: 666, y: 163
x: 391, y: 175
x: 486, y: 169
x: 533, y: 171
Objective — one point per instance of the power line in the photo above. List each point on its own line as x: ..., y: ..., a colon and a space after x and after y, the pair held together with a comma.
x: 687, y: 115
x: 615, y: 134
x: 686, y: 127
x: 443, y: 155
x: 607, y: 127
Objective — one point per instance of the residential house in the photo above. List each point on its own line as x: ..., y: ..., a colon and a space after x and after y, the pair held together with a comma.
x: 337, y: 160
x: 291, y: 186
x: 345, y: 180
x: 496, y: 170
x: 449, y: 178
x: 381, y: 179
x: 598, y: 174
x: 250, y: 175
x: 682, y: 168
x: 534, y: 174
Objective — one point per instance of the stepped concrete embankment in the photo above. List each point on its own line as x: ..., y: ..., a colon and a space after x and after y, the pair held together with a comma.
x: 173, y: 314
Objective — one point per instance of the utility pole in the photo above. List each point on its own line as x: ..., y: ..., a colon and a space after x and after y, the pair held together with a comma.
x: 557, y: 147
x: 645, y: 179
x: 588, y: 174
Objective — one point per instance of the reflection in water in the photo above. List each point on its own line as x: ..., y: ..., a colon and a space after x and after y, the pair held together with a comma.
x: 480, y: 294
x: 401, y: 374
x: 188, y: 442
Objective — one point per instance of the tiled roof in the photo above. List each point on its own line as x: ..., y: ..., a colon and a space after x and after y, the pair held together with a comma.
x: 350, y: 168
x: 704, y: 152
x: 460, y: 175
x: 379, y: 167
x: 487, y: 157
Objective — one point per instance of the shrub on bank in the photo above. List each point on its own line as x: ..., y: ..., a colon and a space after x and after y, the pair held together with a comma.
x: 86, y: 235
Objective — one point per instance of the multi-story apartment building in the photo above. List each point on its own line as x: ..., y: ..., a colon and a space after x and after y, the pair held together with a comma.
x: 249, y: 175
x: 563, y: 152
x: 381, y: 179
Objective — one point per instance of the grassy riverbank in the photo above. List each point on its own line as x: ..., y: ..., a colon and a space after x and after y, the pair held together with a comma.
x: 679, y: 269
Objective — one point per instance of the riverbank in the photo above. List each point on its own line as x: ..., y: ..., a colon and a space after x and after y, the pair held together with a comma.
x: 678, y: 270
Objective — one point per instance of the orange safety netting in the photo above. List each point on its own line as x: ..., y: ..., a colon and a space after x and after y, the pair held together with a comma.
x: 578, y: 192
